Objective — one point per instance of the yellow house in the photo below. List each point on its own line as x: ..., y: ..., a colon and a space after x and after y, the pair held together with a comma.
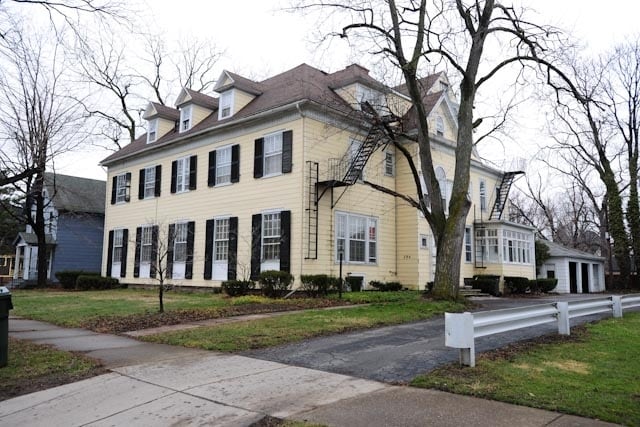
x: 269, y: 176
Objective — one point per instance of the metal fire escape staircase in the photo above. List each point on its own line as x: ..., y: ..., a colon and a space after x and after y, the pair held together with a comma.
x: 342, y: 172
x: 502, y: 194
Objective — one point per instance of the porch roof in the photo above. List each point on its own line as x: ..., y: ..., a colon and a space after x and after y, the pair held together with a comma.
x: 31, y: 239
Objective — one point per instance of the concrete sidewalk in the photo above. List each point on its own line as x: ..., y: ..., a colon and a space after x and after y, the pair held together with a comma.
x: 153, y: 384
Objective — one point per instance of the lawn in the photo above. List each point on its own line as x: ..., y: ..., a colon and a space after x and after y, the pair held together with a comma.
x: 32, y: 367
x: 594, y: 374
x: 130, y: 309
x: 402, y: 307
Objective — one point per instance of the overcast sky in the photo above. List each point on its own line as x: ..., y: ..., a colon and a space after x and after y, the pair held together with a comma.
x: 261, y: 40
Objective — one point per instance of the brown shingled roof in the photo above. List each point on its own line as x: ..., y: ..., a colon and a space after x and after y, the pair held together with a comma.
x: 302, y: 83
x: 203, y: 100
x: 166, y: 112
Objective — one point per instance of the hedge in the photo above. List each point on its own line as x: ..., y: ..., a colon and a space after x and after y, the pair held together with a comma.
x: 87, y: 282
x: 517, y: 285
x: 275, y: 283
x: 318, y: 284
x: 546, y: 285
x: 236, y: 288
x: 68, y: 278
x: 487, y: 283
x: 386, y: 286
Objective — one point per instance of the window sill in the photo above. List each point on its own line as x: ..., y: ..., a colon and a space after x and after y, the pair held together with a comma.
x: 224, y: 184
x: 271, y: 175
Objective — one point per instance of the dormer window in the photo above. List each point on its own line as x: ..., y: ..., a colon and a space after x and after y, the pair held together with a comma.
x: 226, y: 105
x: 372, y: 96
x: 152, y: 132
x: 439, y: 126
x: 185, y: 118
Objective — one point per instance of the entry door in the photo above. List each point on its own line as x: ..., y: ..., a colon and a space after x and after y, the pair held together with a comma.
x: 573, y: 277
x: 585, y: 278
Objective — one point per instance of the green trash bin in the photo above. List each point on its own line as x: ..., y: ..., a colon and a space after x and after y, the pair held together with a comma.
x: 5, y: 306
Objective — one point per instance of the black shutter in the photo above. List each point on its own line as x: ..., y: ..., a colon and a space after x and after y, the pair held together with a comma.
x: 141, y: 184
x: 114, y: 186
x: 193, y: 165
x: 110, y: 254
x: 123, y: 260
x: 158, y: 181
x: 211, y: 177
x: 287, y: 151
x: 285, y: 241
x: 136, y: 261
x: 232, y: 259
x: 188, y: 269
x: 256, y: 243
x: 127, y: 196
x: 235, y: 163
x: 154, y: 251
x: 208, y: 248
x: 172, y: 237
x: 174, y: 173
x: 257, y: 158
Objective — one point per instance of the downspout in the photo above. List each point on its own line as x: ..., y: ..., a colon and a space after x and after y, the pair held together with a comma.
x: 303, y: 187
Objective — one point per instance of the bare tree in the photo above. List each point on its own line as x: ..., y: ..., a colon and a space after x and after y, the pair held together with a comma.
x: 38, y: 122
x: 584, y: 129
x: 623, y: 94
x: 123, y: 83
x: 408, y: 35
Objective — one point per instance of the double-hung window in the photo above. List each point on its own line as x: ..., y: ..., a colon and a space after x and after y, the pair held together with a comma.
x: 389, y: 163
x: 152, y: 132
x: 273, y: 154
x: 122, y: 188
x: 221, y: 239
x: 468, y: 250
x: 483, y: 196
x: 226, y: 102
x: 149, y: 182
x: 118, y: 243
x: 223, y: 166
x: 271, y: 236
x: 146, y: 244
x: 180, y: 242
x: 185, y: 118
x: 439, y: 126
x: 356, y: 238
x: 182, y: 174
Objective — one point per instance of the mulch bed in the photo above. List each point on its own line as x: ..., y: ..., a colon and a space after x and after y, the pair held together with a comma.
x: 136, y: 322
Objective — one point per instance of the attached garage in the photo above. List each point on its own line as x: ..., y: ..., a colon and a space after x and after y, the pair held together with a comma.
x: 577, y: 272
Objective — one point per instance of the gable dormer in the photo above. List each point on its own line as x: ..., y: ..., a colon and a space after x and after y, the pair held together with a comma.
x: 160, y: 120
x: 193, y: 107
x: 235, y: 93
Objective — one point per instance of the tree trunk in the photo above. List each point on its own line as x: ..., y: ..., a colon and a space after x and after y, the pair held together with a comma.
x: 161, y: 297
x: 633, y: 209
x: 40, y: 231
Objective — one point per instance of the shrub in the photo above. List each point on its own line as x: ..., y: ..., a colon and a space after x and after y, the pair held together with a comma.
x: 318, y: 284
x: 68, y: 278
x: 92, y: 281
x: 386, y: 286
x: 236, y: 288
x: 275, y: 283
x: 354, y: 283
x: 516, y: 285
x: 546, y: 285
x: 487, y: 283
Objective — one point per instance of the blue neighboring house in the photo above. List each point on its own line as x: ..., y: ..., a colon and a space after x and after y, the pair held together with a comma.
x: 74, y: 216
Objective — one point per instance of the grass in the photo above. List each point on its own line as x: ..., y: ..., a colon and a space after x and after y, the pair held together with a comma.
x: 32, y: 367
x: 593, y: 375
x: 404, y: 307
x: 71, y: 309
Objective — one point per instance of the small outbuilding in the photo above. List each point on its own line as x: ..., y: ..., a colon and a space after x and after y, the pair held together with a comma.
x: 577, y: 272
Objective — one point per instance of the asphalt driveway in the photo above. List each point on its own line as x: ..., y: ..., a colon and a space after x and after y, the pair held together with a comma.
x: 396, y: 354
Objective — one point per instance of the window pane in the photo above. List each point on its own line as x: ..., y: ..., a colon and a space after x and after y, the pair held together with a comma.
x: 146, y: 244
x: 180, y: 243
x: 121, y: 188
x: 221, y: 239
x: 271, y: 237
x: 149, y: 182
x: 223, y: 166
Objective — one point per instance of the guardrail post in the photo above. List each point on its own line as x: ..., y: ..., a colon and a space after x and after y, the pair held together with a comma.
x: 564, y: 328
x: 458, y: 329
x: 617, y: 305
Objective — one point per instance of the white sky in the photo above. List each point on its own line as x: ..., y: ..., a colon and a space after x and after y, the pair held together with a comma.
x: 260, y: 40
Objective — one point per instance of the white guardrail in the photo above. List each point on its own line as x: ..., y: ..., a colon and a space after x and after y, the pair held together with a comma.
x: 461, y: 329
